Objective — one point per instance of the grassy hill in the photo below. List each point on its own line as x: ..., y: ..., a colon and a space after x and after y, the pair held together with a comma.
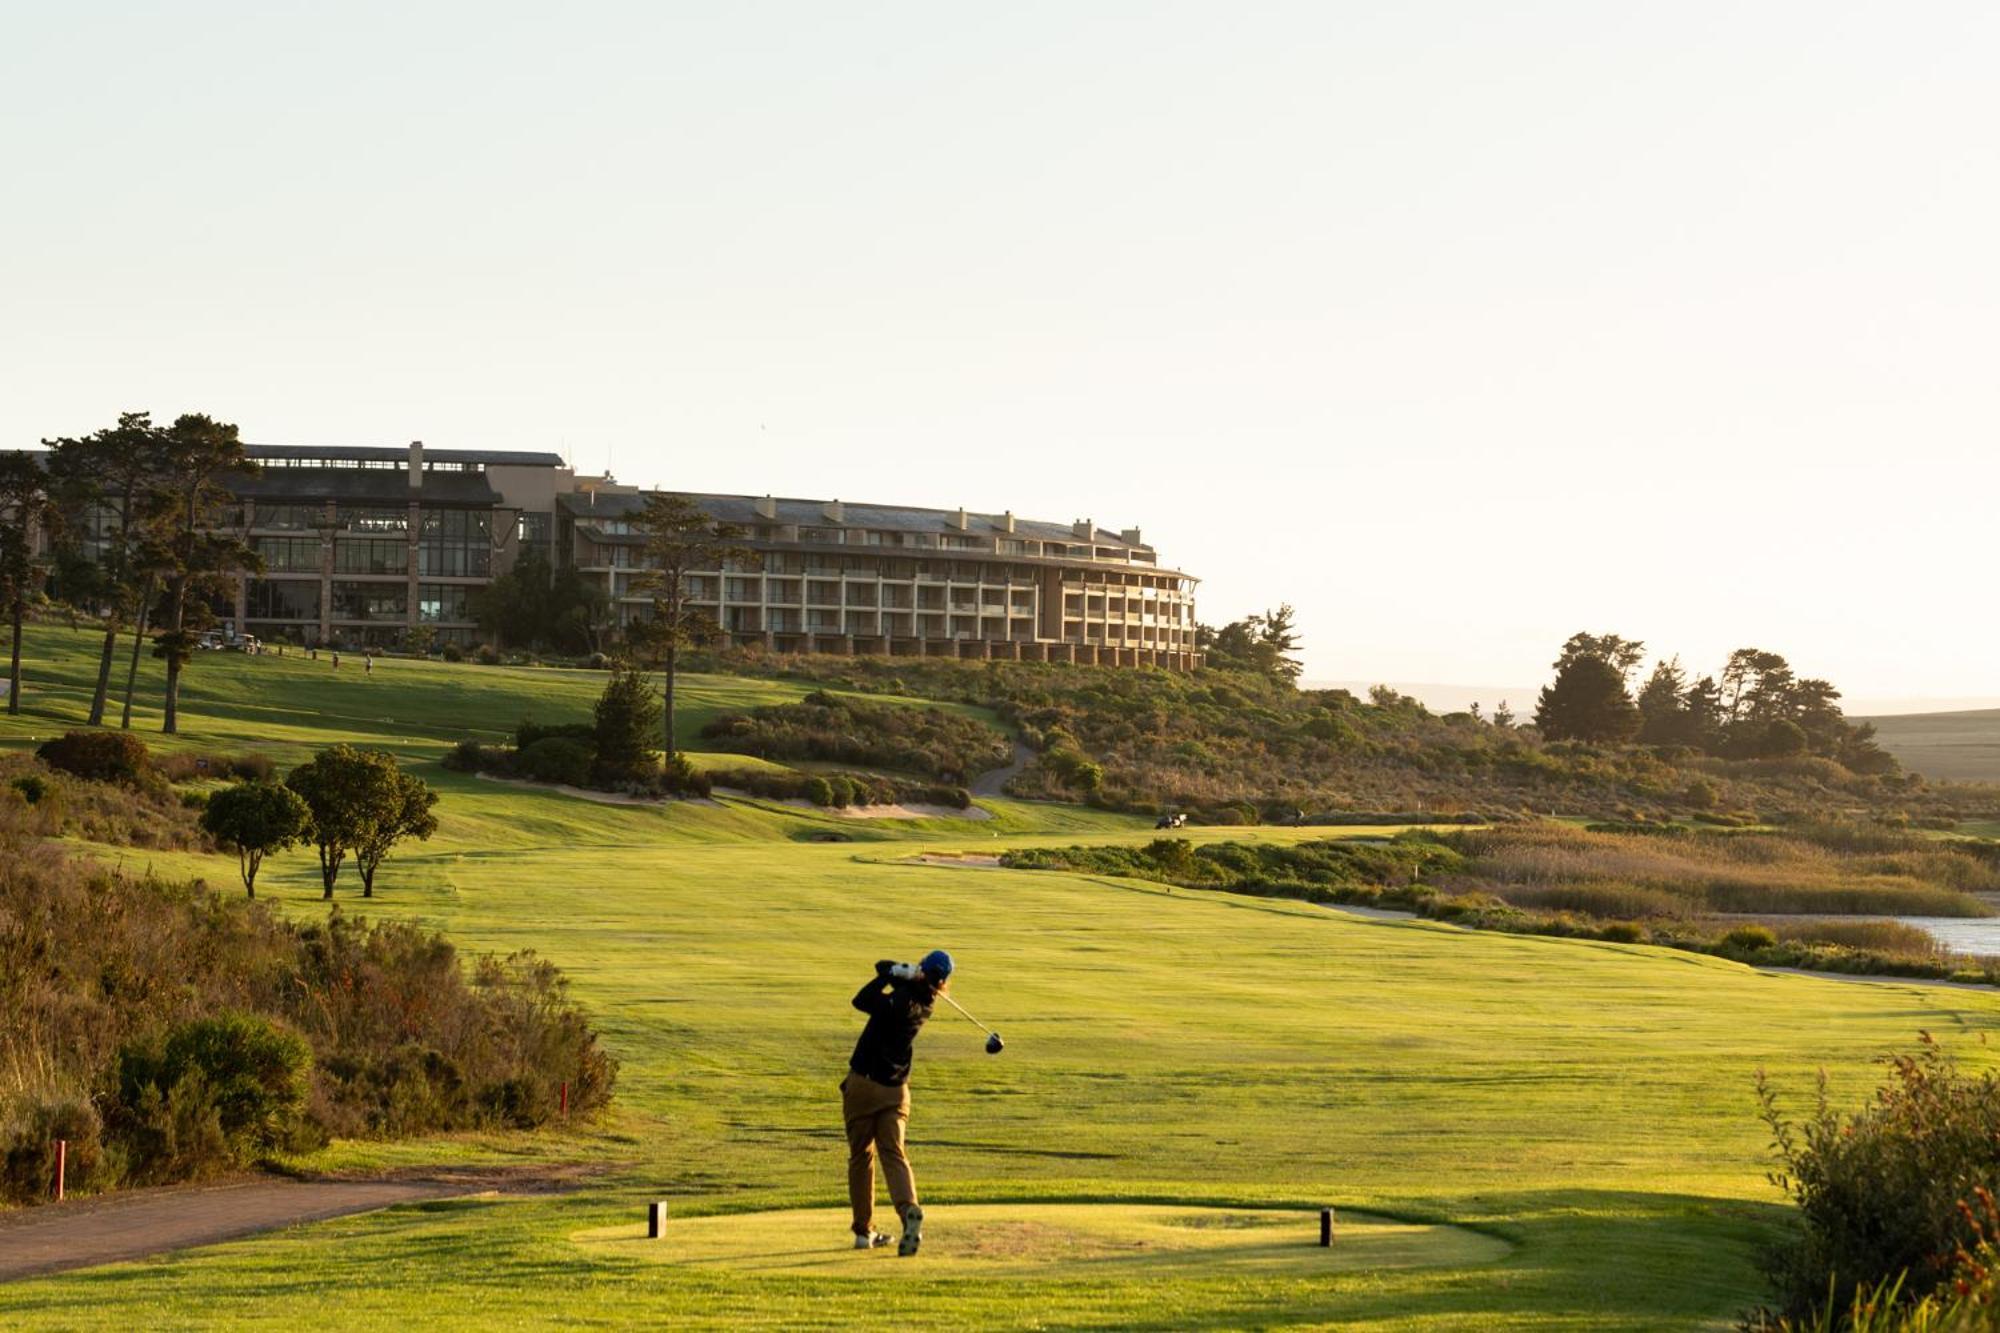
x: 1230, y: 746
x: 1963, y: 747
x: 1587, y: 1104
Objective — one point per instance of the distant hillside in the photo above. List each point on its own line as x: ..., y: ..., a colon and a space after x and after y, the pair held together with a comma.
x: 1442, y: 698
x: 1235, y: 746
x: 1960, y: 747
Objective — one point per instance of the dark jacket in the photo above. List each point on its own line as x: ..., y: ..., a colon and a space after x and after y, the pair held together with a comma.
x: 896, y: 1012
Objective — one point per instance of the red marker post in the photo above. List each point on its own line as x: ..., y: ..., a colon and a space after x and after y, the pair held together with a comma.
x: 565, y: 1100
x: 62, y: 1166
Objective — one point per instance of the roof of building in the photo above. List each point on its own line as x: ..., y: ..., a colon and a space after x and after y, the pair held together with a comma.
x: 374, y: 454
x: 364, y: 486
x: 742, y: 510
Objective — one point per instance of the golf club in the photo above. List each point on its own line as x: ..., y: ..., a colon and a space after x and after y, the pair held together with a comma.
x: 993, y: 1043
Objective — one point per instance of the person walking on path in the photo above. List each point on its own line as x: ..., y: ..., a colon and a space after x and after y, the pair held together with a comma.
x: 875, y: 1095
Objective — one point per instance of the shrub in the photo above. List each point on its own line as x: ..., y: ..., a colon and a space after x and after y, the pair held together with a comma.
x: 1878, y: 1190
x: 486, y: 655
x: 528, y: 731
x: 451, y: 652
x: 935, y: 742
x: 626, y: 729
x: 215, y: 1093
x: 1749, y: 939
x: 472, y: 757
x: 678, y: 777
x: 100, y: 756
x: 33, y: 787
x: 819, y: 791
x: 557, y: 759
x: 28, y: 1148
x: 1623, y: 932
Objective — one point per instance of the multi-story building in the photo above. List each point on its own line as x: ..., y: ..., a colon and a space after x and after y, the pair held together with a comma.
x: 361, y: 546
x: 824, y: 576
x: 364, y: 546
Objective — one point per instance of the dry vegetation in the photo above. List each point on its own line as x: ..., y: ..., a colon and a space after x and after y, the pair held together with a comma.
x: 1240, y: 747
x: 1812, y: 870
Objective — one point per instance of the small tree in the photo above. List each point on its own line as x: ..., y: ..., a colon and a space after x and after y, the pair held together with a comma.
x: 628, y: 723
x: 352, y: 793
x: 680, y: 539
x: 256, y: 818
x: 410, y: 800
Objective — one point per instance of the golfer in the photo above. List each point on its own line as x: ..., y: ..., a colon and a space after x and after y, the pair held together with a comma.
x: 875, y: 1095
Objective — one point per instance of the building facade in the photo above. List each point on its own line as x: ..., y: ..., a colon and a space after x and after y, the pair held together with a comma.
x: 363, y: 547
x: 830, y: 577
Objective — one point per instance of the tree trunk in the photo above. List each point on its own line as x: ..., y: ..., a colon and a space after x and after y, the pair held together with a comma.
x: 132, y: 674
x: 14, y: 662
x: 673, y: 662
x: 170, y: 723
x: 102, y: 693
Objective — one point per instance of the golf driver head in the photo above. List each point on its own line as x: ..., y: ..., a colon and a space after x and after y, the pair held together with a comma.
x: 993, y: 1044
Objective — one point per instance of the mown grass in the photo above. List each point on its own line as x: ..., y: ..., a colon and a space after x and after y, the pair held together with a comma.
x: 1591, y: 1103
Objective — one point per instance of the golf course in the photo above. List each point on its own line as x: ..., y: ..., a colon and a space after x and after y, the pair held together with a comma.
x: 1514, y: 1131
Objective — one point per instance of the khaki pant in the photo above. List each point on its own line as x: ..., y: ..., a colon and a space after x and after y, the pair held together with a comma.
x: 875, y: 1115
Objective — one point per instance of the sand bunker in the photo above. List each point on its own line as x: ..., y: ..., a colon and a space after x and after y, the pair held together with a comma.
x: 1053, y: 1241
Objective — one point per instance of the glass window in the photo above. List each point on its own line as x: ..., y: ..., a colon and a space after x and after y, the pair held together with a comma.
x: 370, y: 601
x: 376, y: 518
x: 455, y: 543
x: 286, y: 517
x: 283, y: 599
x: 373, y: 556
x: 289, y: 555
x: 444, y: 601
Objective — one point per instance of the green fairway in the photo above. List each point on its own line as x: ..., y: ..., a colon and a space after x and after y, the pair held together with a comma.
x: 1579, y: 1113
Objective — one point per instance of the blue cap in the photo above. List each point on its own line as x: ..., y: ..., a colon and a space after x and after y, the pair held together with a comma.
x: 936, y: 965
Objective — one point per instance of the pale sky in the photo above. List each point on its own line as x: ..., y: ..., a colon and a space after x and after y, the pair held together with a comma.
x: 1460, y: 326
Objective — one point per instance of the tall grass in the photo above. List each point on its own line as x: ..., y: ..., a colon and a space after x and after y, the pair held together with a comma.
x: 1819, y: 872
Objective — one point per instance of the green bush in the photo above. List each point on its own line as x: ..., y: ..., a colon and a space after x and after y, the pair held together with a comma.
x: 100, y: 756
x: 215, y: 1093
x: 472, y: 757
x: 1750, y: 939
x: 557, y: 759
x: 451, y: 652
x: 935, y: 742
x: 1623, y: 932
x: 528, y: 731
x: 819, y: 791
x: 28, y: 1148
x: 1878, y: 1191
x: 678, y: 777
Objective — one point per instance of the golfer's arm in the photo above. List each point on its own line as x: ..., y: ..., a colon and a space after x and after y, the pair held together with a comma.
x: 872, y: 998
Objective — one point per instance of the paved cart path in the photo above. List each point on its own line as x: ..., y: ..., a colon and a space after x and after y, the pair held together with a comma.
x: 131, y: 1224
x: 993, y: 782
